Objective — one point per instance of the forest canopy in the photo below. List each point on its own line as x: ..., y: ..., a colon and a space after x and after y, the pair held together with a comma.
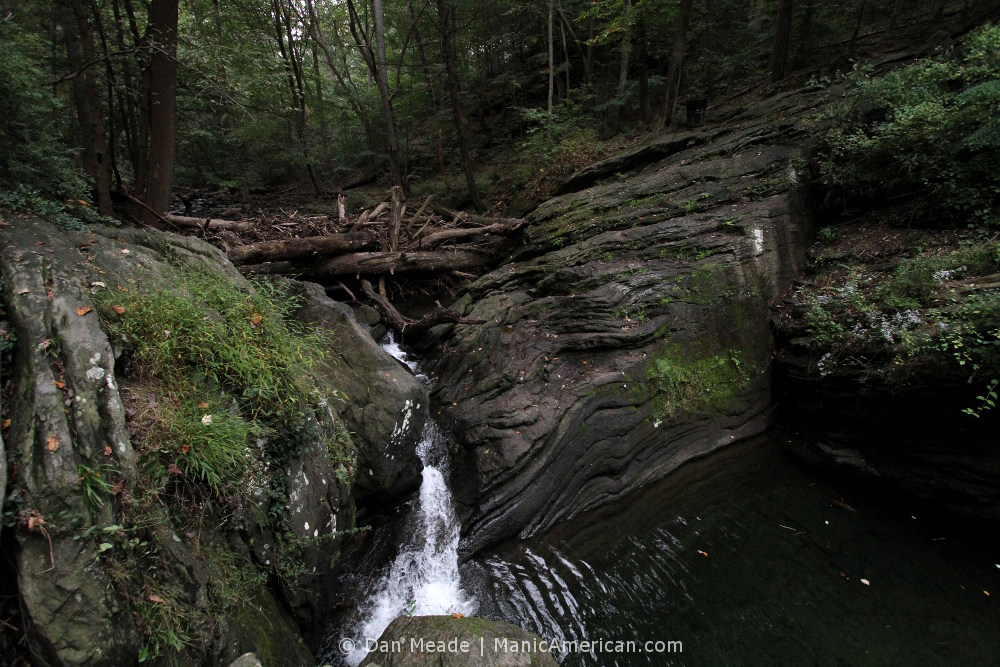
x: 117, y: 101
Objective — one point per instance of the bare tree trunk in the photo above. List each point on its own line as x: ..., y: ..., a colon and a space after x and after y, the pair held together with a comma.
x: 782, y: 32
x: 87, y: 98
x: 382, y: 81
x: 562, y: 32
x: 757, y: 19
x: 446, y: 19
x: 584, y: 53
x: 552, y: 57
x: 162, y: 103
x: 676, y: 63
x: 642, y: 71
x: 626, y: 47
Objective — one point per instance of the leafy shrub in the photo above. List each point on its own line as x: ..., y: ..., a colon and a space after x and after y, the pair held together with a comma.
x: 931, y: 129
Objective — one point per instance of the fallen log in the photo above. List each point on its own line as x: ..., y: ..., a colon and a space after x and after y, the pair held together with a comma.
x: 210, y: 223
x: 474, y: 218
x: 310, y: 246
x: 375, y: 263
x: 501, y: 228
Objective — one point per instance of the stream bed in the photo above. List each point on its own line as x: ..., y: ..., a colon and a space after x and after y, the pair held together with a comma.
x: 745, y: 557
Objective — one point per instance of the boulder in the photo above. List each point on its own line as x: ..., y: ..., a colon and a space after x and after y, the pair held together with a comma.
x: 446, y: 641
x: 382, y: 401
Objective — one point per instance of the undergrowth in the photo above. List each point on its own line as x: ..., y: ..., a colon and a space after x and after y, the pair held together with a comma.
x: 221, y: 395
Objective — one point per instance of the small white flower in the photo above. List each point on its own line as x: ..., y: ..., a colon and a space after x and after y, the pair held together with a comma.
x: 207, y: 420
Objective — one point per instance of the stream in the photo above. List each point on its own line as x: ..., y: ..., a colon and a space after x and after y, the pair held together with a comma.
x: 744, y: 557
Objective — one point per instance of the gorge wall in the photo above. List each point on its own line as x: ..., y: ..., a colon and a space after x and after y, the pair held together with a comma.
x: 629, y: 332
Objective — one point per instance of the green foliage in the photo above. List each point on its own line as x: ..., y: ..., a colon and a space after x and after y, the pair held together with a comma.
x: 679, y: 384
x: 930, y: 129
x: 71, y: 214
x: 926, y: 307
x: 206, y: 326
x: 34, y: 155
x: 95, y: 487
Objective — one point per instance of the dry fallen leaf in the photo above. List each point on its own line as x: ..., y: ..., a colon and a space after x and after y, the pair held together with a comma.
x: 206, y: 420
x: 60, y: 385
x: 185, y: 449
x: 155, y: 598
x: 52, y: 444
x: 256, y: 319
x: 45, y: 343
x: 5, y: 424
x: 866, y: 582
x: 703, y: 553
x: 172, y: 469
x: 35, y: 521
x: 97, y: 283
x: 118, y: 309
x: 125, y: 251
x: 117, y: 488
x: 458, y: 615
x: 107, y: 450
x: 84, y: 310
x: 23, y: 291
x: 202, y: 405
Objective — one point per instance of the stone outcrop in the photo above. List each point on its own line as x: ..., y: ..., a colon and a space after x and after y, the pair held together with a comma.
x: 629, y: 332
x: 74, y: 464
x: 446, y: 641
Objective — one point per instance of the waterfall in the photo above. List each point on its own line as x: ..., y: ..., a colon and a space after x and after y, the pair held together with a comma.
x: 423, y: 579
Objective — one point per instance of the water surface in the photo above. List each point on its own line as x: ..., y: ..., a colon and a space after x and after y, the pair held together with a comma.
x: 746, y: 558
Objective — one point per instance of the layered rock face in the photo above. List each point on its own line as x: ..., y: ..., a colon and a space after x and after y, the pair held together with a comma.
x: 77, y: 475
x: 629, y: 333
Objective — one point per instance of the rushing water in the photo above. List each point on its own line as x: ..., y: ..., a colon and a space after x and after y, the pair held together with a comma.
x: 742, y: 558
x: 745, y: 558
x: 424, y: 577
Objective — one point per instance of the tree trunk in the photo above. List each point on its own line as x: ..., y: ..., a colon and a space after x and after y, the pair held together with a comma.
x: 87, y: 98
x: 626, y: 47
x: 446, y: 19
x: 162, y: 103
x: 552, y: 58
x: 642, y: 71
x: 862, y: 10
x: 308, y: 247
x: 382, y: 81
x: 562, y: 33
x: 676, y: 63
x: 381, y: 263
x: 782, y: 32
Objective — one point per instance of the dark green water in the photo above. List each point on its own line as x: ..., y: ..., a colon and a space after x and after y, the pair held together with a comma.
x: 781, y: 583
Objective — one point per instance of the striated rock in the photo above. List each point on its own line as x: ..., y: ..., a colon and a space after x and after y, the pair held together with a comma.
x: 629, y: 333
x: 445, y: 641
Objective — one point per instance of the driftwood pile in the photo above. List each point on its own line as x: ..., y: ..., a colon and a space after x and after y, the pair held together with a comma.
x: 383, y: 241
x: 386, y: 240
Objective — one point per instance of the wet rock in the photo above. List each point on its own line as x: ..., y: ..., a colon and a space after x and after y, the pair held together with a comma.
x: 629, y: 333
x: 383, y: 403
x: 445, y: 641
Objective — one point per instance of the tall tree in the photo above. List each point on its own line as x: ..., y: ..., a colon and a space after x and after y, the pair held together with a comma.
x: 162, y: 104
x: 375, y: 59
x: 676, y: 67
x: 446, y: 21
x: 87, y: 101
x: 626, y: 46
x: 782, y: 32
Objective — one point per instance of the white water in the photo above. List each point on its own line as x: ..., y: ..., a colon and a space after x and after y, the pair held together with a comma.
x: 424, y: 579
